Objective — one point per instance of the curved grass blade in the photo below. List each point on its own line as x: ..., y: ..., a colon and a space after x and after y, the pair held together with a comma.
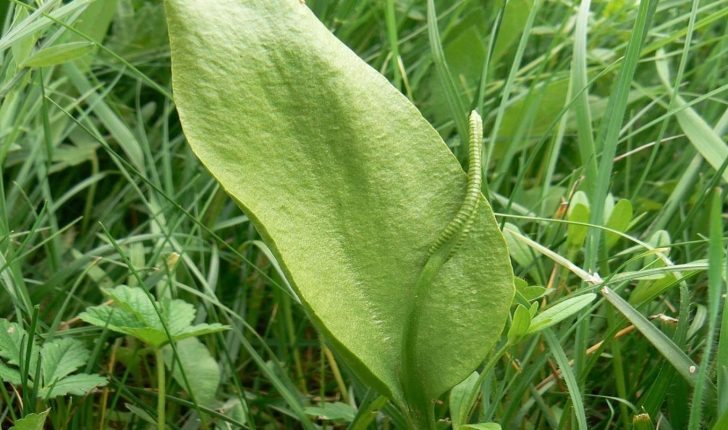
x: 682, y: 363
x: 569, y: 377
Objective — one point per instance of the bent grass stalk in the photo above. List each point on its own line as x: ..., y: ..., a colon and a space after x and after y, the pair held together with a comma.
x: 161, y: 389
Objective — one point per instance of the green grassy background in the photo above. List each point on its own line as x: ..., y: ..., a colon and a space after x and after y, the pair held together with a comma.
x: 91, y: 150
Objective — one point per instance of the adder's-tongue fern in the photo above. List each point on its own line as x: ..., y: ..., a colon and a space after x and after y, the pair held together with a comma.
x: 463, y: 219
x: 421, y: 409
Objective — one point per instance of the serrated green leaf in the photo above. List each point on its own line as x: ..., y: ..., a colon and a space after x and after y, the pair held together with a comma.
x: 78, y: 385
x: 31, y: 421
x: 198, y: 330
x: 60, y: 358
x: 200, y: 368
x: 58, y: 54
x: 178, y: 315
x: 134, y: 301
x: 134, y: 314
x: 559, y: 312
x: 12, y: 337
x: 350, y: 224
x: 116, y: 319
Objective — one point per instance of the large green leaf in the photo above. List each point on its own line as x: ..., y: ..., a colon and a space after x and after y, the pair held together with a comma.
x: 346, y: 182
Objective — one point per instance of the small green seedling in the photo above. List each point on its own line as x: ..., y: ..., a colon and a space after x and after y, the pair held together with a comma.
x: 50, y: 368
x: 156, y: 323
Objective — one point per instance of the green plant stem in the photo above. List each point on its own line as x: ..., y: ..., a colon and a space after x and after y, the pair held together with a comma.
x: 161, y: 389
x: 488, y: 367
x: 418, y: 419
x: 618, y: 368
x: 418, y: 406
